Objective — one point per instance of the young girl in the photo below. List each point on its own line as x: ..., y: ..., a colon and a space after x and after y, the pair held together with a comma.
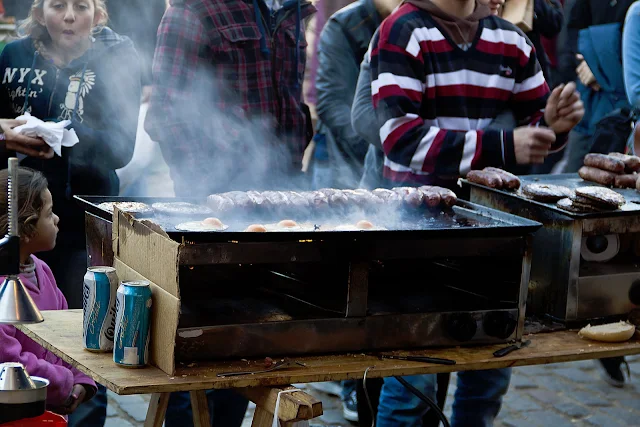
x: 68, y: 66
x: 38, y: 228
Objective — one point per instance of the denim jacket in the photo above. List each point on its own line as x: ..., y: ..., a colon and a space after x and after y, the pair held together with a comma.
x: 343, y: 44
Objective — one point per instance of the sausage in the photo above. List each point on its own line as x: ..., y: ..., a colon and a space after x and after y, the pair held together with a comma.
x: 387, y: 195
x: 316, y: 199
x: 486, y: 178
x: 509, y: 180
x: 276, y: 199
x: 447, y: 196
x: 257, y: 199
x: 336, y: 197
x: 220, y: 203
x: 631, y: 163
x: 297, y: 200
x: 600, y: 176
x: 626, y: 181
x: 356, y: 198
x: 414, y: 198
x: 431, y: 196
x: 604, y: 162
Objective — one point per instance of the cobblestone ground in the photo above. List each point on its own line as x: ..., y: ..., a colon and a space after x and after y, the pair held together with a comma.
x: 558, y: 395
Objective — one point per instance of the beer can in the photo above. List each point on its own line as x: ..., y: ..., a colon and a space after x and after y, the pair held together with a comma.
x: 133, y: 309
x: 99, y: 308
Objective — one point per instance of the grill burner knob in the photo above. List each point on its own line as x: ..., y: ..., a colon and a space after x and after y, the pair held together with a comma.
x: 634, y: 292
x: 461, y: 326
x: 499, y: 324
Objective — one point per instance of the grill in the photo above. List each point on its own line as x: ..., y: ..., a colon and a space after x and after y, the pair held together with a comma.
x: 254, y: 294
x: 563, y: 284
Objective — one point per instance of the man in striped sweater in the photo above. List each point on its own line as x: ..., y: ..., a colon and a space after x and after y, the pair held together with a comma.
x: 442, y: 70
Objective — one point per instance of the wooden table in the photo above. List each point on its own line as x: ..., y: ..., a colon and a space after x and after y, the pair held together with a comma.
x: 61, y: 333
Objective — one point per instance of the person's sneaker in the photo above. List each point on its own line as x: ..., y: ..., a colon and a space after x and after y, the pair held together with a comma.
x: 329, y: 387
x: 611, y: 370
x: 350, y: 407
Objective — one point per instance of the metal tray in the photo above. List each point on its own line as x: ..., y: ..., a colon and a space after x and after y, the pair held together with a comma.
x: 572, y: 181
x: 464, y: 220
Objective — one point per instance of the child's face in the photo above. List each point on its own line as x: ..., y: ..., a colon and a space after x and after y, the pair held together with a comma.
x: 69, y: 22
x: 44, y: 238
x: 494, y: 5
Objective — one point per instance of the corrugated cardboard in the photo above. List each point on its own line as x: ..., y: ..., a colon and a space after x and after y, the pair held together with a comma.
x: 146, y: 251
x: 520, y: 13
x: 144, y: 254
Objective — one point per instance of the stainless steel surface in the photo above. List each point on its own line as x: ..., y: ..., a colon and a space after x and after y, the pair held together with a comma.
x: 13, y: 376
x: 13, y: 197
x: 17, y: 397
x: 16, y: 387
x: 16, y: 305
x: 606, y: 288
x: 557, y: 286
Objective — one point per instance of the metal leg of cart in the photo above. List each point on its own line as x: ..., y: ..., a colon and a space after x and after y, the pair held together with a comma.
x: 296, y: 406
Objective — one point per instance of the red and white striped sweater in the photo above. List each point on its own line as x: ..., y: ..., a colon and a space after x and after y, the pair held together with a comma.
x: 434, y: 99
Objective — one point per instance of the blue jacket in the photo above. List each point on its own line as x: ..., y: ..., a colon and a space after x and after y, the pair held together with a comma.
x: 631, y: 54
x: 99, y: 92
x: 599, y: 44
x: 342, y: 46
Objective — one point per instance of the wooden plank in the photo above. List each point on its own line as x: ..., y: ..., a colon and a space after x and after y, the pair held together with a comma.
x: 295, y: 406
x: 200, y: 406
x: 157, y: 410
x: 61, y: 333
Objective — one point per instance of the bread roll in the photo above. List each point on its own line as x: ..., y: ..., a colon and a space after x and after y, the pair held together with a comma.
x: 611, y: 332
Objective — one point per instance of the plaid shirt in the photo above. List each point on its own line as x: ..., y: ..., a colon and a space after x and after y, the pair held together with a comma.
x: 214, y: 89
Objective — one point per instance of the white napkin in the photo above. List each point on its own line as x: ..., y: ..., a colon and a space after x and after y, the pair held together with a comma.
x: 53, y: 133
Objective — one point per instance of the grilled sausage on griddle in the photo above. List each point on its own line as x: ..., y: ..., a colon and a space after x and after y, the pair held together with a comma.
x: 447, y: 196
x: 626, y: 181
x: 431, y: 196
x: 486, y: 178
x: 387, y: 195
x: 600, y: 176
x: 604, y: 162
x: 220, y: 203
x: 509, y: 180
x: 631, y: 163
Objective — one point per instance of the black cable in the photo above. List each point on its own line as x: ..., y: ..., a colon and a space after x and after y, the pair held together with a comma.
x: 433, y: 405
x: 366, y: 394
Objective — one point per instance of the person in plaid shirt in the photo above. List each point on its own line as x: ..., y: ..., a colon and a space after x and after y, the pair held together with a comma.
x: 226, y: 106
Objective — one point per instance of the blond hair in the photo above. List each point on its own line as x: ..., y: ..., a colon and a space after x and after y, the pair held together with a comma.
x: 30, y: 27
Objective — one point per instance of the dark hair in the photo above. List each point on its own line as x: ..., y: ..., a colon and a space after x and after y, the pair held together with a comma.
x: 31, y: 184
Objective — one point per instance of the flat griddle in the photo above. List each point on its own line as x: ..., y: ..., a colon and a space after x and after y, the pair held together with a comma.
x: 572, y: 181
x: 463, y: 220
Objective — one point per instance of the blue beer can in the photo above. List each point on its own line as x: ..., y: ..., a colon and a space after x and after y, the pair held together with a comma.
x: 99, y: 308
x: 133, y: 318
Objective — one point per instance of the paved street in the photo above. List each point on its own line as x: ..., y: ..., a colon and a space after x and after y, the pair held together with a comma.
x: 559, y: 395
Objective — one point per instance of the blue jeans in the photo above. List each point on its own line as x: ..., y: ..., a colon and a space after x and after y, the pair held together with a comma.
x: 477, y: 399
x: 226, y: 408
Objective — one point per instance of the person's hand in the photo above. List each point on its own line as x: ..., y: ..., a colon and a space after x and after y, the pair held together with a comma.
x: 532, y: 145
x: 78, y: 393
x: 34, y: 147
x: 585, y: 74
x: 564, y: 108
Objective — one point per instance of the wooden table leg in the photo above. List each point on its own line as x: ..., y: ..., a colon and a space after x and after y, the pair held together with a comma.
x: 200, y: 406
x: 296, y: 406
x: 262, y: 418
x: 157, y: 410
